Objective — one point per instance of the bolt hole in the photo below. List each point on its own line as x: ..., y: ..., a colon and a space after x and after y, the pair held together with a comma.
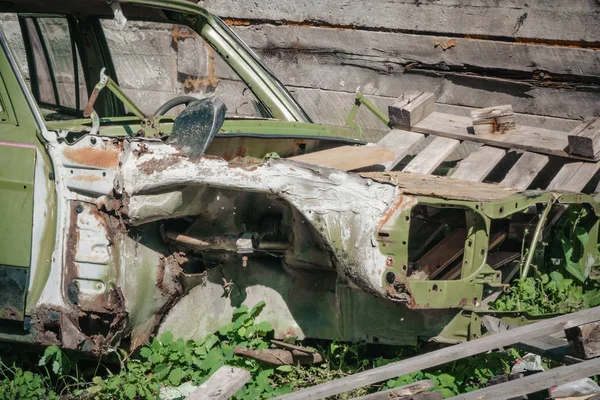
x: 470, y: 243
x: 390, y: 277
x: 103, y: 173
x: 466, y: 262
x: 407, y: 218
x: 516, y: 205
x: 434, y: 288
x: 404, y: 268
x: 71, y: 171
x: 24, y: 186
x: 501, y: 210
x: 477, y: 206
x: 482, y: 251
x: 404, y: 242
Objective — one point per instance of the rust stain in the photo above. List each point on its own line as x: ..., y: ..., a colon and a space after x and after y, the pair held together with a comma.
x: 94, y: 157
x: 178, y: 34
x: 87, y: 178
x: 445, y: 46
x: 211, y: 80
x: 401, y: 203
x: 159, y: 165
x: 549, y: 42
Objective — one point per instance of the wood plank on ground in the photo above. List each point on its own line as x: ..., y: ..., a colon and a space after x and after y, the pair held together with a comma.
x: 222, y: 384
x: 525, y: 170
x: 534, y: 383
x: 477, y: 165
x: 406, y: 390
x: 528, y: 138
x: 402, y: 143
x: 348, y: 158
x: 432, y: 156
x: 448, y: 354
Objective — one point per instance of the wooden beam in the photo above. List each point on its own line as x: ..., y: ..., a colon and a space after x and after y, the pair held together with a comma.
x: 449, y: 354
x: 525, y: 170
x: 410, y: 108
x: 347, y: 158
x: 493, y: 120
x: 477, y: 165
x: 534, y: 383
x: 432, y: 156
x: 584, y: 140
x: 402, y: 143
x: 222, y: 384
x: 406, y: 390
x: 527, y: 138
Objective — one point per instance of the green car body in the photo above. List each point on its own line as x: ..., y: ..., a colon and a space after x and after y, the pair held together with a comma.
x: 110, y: 236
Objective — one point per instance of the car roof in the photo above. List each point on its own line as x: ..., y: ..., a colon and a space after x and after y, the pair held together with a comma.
x: 92, y: 7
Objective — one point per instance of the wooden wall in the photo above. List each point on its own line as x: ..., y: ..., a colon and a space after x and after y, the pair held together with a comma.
x: 541, y: 56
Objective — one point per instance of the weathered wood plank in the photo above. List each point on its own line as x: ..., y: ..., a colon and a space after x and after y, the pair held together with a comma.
x: 584, y: 140
x: 332, y: 107
x: 492, y: 120
x: 525, y: 138
x: 574, y: 176
x: 532, y: 20
x: 410, y: 108
x: 525, y: 170
x: 466, y: 89
x: 402, y: 143
x: 432, y: 156
x: 534, y: 383
x: 448, y: 354
x: 347, y: 158
x: 443, y: 254
x: 580, y: 178
x: 394, y: 50
x: 478, y: 164
x: 222, y: 384
x: 411, y: 388
x: 442, y: 187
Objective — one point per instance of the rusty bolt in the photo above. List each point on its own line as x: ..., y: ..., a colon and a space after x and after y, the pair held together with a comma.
x: 244, y: 261
x: 79, y: 208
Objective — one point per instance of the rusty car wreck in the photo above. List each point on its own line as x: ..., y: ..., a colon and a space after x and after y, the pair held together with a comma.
x: 132, y: 223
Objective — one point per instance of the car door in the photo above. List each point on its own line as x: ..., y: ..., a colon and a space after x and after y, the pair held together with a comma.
x: 18, y: 148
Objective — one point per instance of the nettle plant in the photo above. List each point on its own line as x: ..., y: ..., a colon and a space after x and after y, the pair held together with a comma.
x: 170, y: 362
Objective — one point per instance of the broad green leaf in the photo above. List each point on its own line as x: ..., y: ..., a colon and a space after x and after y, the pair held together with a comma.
x: 129, y: 390
x: 243, y: 309
x: 256, y: 310
x: 176, y: 376
x: 264, y: 327
x: 166, y: 338
x: 145, y: 352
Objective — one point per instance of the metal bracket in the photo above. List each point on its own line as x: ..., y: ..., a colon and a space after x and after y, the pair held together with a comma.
x: 359, y: 100
x: 150, y: 124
